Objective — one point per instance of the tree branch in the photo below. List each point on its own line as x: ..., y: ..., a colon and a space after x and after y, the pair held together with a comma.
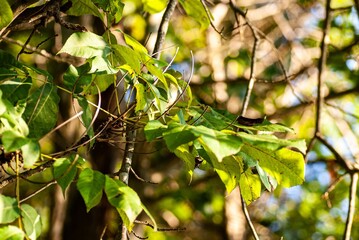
x: 26, y: 174
x: 321, y: 67
x: 162, y: 30
x: 351, y: 207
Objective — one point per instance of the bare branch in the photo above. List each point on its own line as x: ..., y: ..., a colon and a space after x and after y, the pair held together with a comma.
x: 160, y: 229
x: 351, y: 207
x: 162, y: 30
x: 321, y: 67
x: 26, y: 174
x: 248, y: 218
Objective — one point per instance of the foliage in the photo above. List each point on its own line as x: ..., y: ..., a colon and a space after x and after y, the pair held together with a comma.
x: 154, y: 98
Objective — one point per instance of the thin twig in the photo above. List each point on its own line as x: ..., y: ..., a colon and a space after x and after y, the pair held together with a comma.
x: 141, y: 179
x: 209, y: 16
x: 248, y: 218
x: 42, y: 52
x: 351, y: 207
x: 247, y: 97
x: 162, y: 30
x: 38, y: 191
x: 321, y: 67
x: 160, y: 229
x: 331, y: 188
x: 344, y: 163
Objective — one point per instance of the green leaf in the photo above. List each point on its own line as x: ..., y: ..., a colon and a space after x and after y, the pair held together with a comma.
x: 7, y: 60
x: 13, y: 140
x: 135, y: 45
x: 124, y: 199
x: 177, y: 134
x: 15, y: 88
x: 86, y: 45
x: 264, y: 178
x: 156, y: 71
x: 154, y: 129
x: 9, y: 210
x: 41, y: 110
x: 30, y: 153
x: 219, y: 144
x: 285, y: 165
x: 10, y: 118
x: 183, y: 153
x: 31, y: 220
x: 140, y: 97
x: 229, y: 180
x: 87, y: 115
x: 128, y: 56
x: 271, y: 142
x: 77, y: 78
x: 250, y: 186
x: 114, y: 8
x: 100, y: 65
x: 82, y: 7
x: 6, y: 14
x: 90, y: 184
x: 195, y: 9
x: 210, y: 118
x: 154, y: 6
x: 11, y: 233
x: 65, y: 171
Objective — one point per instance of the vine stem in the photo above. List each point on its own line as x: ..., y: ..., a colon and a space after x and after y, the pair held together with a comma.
x: 351, y: 207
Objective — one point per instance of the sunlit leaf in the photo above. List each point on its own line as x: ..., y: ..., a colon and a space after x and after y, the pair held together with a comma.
x: 11, y: 233
x: 9, y: 210
x: 135, y: 44
x: 6, y: 14
x: 271, y: 142
x: 30, y: 153
x: 285, y: 165
x: 86, y: 45
x: 140, y: 97
x: 81, y: 7
x: 195, y: 9
x: 31, y: 220
x: 183, y: 153
x: 13, y: 140
x: 91, y: 184
x: 124, y: 199
x: 250, y: 186
x: 220, y: 144
x: 128, y: 56
x: 154, y: 6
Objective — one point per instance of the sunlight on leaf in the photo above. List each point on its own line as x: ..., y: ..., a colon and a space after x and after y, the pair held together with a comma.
x: 9, y: 210
x: 11, y: 233
x: 6, y: 14
x: 124, y: 199
x: 32, y: 221
x: 86, y: 45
